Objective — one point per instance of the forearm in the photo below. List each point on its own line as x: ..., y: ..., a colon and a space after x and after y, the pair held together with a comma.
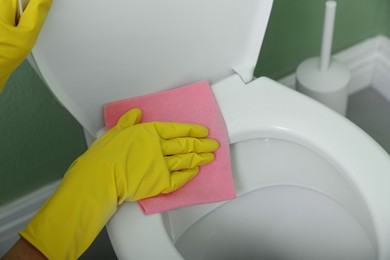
x: 23, y: 250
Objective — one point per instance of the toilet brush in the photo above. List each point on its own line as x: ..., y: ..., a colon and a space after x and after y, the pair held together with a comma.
x: 324, y: 78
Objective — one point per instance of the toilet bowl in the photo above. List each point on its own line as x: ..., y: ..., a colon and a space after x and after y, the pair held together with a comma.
x: 310, y: 184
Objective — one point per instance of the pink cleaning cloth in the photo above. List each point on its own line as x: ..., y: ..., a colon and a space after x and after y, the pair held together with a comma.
x: 194, y: 103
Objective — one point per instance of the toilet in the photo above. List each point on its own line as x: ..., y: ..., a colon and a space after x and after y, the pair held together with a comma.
x: 310, y: 184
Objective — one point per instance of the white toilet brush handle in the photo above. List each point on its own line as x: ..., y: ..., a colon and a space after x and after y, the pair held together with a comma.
x: 327, y: 35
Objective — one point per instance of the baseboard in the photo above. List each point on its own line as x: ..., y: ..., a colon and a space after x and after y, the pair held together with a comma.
x: 15, y: 215
x: 367, y: 60
x: 381, y: 78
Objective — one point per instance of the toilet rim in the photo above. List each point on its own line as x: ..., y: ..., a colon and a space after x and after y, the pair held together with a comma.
x: 323, y: 131
x: 287, y: 124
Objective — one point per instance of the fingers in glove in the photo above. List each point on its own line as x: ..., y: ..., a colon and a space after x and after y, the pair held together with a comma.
x: 188, y: 145
x: 179, y: 178
x: 188, y: 161
x: 168, y: 130
x: 8, y: 12
x: 130, y: 118
x: 34, y: 15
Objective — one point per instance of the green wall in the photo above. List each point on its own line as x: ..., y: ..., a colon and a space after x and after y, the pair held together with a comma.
x: 39, y: 138
x: 295, y: 30
x: 384, y: 17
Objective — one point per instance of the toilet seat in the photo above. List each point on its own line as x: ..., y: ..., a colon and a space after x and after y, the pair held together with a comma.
x: 253, y: 111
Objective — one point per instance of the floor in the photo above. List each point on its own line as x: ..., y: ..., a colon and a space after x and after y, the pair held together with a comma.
x: 371, y: 111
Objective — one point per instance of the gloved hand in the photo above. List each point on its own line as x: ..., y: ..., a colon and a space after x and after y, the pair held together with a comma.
x: 17, y: 39
x: 130, y: 162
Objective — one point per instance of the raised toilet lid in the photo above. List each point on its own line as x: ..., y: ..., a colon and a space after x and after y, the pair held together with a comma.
x: 94, y: 51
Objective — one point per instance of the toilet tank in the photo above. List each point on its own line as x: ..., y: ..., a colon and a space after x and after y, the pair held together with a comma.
x: 92, y: 52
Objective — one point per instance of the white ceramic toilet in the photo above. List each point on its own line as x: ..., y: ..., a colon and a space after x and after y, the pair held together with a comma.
x: 311, y: 185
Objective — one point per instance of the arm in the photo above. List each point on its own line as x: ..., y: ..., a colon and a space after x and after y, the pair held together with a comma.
x: 23, y: 250
x: 130, y: 162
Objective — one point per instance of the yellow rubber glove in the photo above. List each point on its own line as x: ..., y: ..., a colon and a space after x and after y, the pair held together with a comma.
x: 17, y: 39
x: 130, y: 162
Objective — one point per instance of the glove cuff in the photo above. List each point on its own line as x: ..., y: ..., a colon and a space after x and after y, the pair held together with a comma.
x: 75, y: 214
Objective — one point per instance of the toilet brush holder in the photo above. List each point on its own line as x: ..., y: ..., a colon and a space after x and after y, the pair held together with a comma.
x: 329, y: 87
x: 324, y: 78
